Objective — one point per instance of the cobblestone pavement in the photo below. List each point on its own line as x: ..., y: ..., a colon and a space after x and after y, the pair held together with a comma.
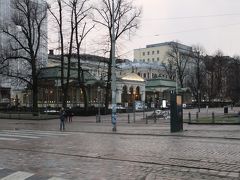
x: 89, y: 150
x: 77, y: 155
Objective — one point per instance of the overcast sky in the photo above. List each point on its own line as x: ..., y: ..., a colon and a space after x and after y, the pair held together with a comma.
x: 214, y: 24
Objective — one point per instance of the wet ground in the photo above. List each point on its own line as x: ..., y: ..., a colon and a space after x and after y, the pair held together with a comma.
x: 89, y: 150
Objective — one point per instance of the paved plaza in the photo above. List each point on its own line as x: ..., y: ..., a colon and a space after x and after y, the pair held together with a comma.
x: 89, y: 150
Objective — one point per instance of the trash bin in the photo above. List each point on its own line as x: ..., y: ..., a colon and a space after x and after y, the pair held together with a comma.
x: 225, y: 109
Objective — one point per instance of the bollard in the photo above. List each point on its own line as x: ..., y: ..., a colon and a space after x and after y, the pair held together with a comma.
x: 128, y: 118
x: 213, y: 118
x: 146, y: 119
x: 189, y: 117
x: 155, y: 118
x: 134, y: 117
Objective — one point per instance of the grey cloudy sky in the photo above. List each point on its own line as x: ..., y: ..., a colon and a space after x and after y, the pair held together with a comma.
x: 214, y: 24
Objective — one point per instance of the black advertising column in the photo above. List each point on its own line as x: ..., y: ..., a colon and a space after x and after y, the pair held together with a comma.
x: 176, y: 112
x: 179, y: 111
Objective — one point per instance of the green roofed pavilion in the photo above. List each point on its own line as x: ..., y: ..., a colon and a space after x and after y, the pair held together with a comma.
x: 159, y: 84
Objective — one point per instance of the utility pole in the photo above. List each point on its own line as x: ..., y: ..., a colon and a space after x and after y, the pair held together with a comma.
x: 113, y: 74
x: 177, y: 72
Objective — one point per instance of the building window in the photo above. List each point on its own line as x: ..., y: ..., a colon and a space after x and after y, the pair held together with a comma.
x: 143, y: 53
x: 143, y: 60
x: 157, y: 51
x: 152, y: 59
x: 148, y: 60
x: 144, y: 75
x: 152, y: 52
x: 158, y: 59
x: 148, y: 52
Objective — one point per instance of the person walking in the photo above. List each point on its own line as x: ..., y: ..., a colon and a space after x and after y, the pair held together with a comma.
x: 70, y: 115
x: 62, y: 119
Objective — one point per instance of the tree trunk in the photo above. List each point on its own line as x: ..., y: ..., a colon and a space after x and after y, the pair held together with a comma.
x: 34, y: 90
x: 108, y: 86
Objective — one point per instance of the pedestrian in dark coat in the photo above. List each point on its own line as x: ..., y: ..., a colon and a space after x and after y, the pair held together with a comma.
x: 70, y: 115
x: 62, y: 119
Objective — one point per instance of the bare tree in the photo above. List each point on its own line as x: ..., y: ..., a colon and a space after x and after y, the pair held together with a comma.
x: 126, y: 18
x: 26, y: 36
x: 57, y: 13
x: 80, y: 13
x: 177, y: 57
x: 196, y: 80
x: 170, y: 68
x: 233, y: 80
x: 216, y: 69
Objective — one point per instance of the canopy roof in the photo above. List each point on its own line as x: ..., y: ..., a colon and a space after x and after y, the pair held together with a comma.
x: 54, y: 73
x: 159, y: 84
x: 132, y: 77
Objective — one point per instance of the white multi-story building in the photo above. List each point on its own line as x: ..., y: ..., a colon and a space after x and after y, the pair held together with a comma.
x: 143, y: 69
x: 157, y: 53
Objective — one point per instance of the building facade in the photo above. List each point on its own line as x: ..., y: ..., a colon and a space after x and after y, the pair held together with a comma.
x: 157, y: 53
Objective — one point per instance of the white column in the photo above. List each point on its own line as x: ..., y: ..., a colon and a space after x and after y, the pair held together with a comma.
x: 143, y: 93
x: 119, y: 96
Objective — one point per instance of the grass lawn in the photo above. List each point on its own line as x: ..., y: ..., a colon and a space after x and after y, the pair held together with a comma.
x: 27, y: 116
x: 231, y: 119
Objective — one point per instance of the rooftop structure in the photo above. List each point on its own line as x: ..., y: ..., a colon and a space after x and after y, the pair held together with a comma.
x: 157, y: 53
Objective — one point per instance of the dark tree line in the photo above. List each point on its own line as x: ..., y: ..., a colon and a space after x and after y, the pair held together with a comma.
x: 214, y: 78
x: 209, y: 78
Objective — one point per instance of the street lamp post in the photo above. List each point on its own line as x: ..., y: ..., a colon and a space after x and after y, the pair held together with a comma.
x: 99, y: 114
x: 113, y: 76
x: 134, y: 107
x: 154, y: 110
x: 143, y: 103
x: 198, y: 100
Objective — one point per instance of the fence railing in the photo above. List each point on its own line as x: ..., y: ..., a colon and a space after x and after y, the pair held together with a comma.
x: 211, y: 117
x: 140, y: 117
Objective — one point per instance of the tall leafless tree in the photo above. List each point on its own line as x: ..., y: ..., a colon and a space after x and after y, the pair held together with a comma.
x: 78, y: 12
x: 126, y: 19
x: 216, y: 69
x: 197, y: 75
x: 233, y: 80
x: 81, y: 11
x: 57, y: 12
x: 178, y: 58
x: 26, y: 36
